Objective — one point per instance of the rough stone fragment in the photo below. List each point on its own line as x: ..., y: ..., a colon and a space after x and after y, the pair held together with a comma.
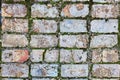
x: 37, y: 55
x: 103, y: 41
x: 44, y: 70
x: 105, y: 11
x: 73, y: 25
x: 15, y: 55
x: 43, y: 41
x: 13, y: 10
x: 105, y: 55
x: 102, y: 26
x: 79, y: 41
x: 14, y: 25
x: 74, y: 56
x: 51, y: 55
x: 106, y: 1
x: 76, y: 0
x: 38, y: 10
x: 14, y: 70
x: 44, y: 26
x: 106, y: 70
x: 76, y: 70
x: 14, y: 40
x: 75, y: 10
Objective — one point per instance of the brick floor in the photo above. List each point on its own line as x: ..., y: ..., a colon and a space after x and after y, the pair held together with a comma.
x: 60, y: 40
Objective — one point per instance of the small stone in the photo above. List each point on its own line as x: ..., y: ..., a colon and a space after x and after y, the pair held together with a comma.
x: 78, y: 41
x: 106, y: 70
x: 14, y: 70
x: 14, y: 25
x: 14, y: 40
x: 105, y: 55
x: 43, y: 41
x: 44, y: 70
x: 15, y: 55
x: 105, y: 11
x: 36, y: 55
x: 102, y: 26
x: 51, y: 55
x: 75, y: 10
x: 73, y: 25
x: 44, y: 26
x: 75, y: 70
x: 38, y: 10
x: 13, y: 10
x: 75, y: 56
x: 103, y: 41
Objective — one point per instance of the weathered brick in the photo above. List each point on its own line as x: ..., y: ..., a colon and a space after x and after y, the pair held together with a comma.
x: 74, y: 56
x: 44, y: 0
x: 14, y: 40
x: 14, y: 70
x: 105, y: 11
x: 18, y: 0
x: 76, y: 70
x: 73, y: 25
x: 51, y: 55
x: 43, y: 41
x: 106, y: 1
x: 75, y: 10
x: 13, y: 10
x: 75, y: 79
x: 106, y: 70
x: 14, y: 25
x: 105, y: 55
x: 44, y: 70
x: 79, y: 41
x: 44, y: 26
x: 103, y: 41
x: 43, y: 79
x: 75, y: 0
x: 38, y: 10
x: 103, y: 79
x: 102, y: 26
x: 37, y: 55
x: 16, y: 55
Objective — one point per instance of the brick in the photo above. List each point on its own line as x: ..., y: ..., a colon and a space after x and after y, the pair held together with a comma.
x: 43, y: 41
x: 105, y: 11
x: 73, y: 25
x: 14, y: 70
x: 18, y: 0
x: 16, y: 55
x: 75, y: 79
x: 44, y: 70
x: 75, y: 10
x: 105, y: 55
x: 43, y: 79
x: 14, y: 40
x: 10, y: 79
x: 100, y: 41
x: 76, y: 70
x: 78, y: 41
x: 75, y: 56
x: 106, y: 1
x: 37, y: 55
x: 44, y: 0
x: 102, y: 26
x: 44, y: 26
x: 51, y: 55
x: 13, y: 10
x: 15, y: 25
x: 76, y: 0
x: 38, y: 10
x: 106, y: 70
x: 104, y: 79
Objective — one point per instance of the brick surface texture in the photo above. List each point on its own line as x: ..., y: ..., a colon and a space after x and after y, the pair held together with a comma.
x: 60, y: 40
